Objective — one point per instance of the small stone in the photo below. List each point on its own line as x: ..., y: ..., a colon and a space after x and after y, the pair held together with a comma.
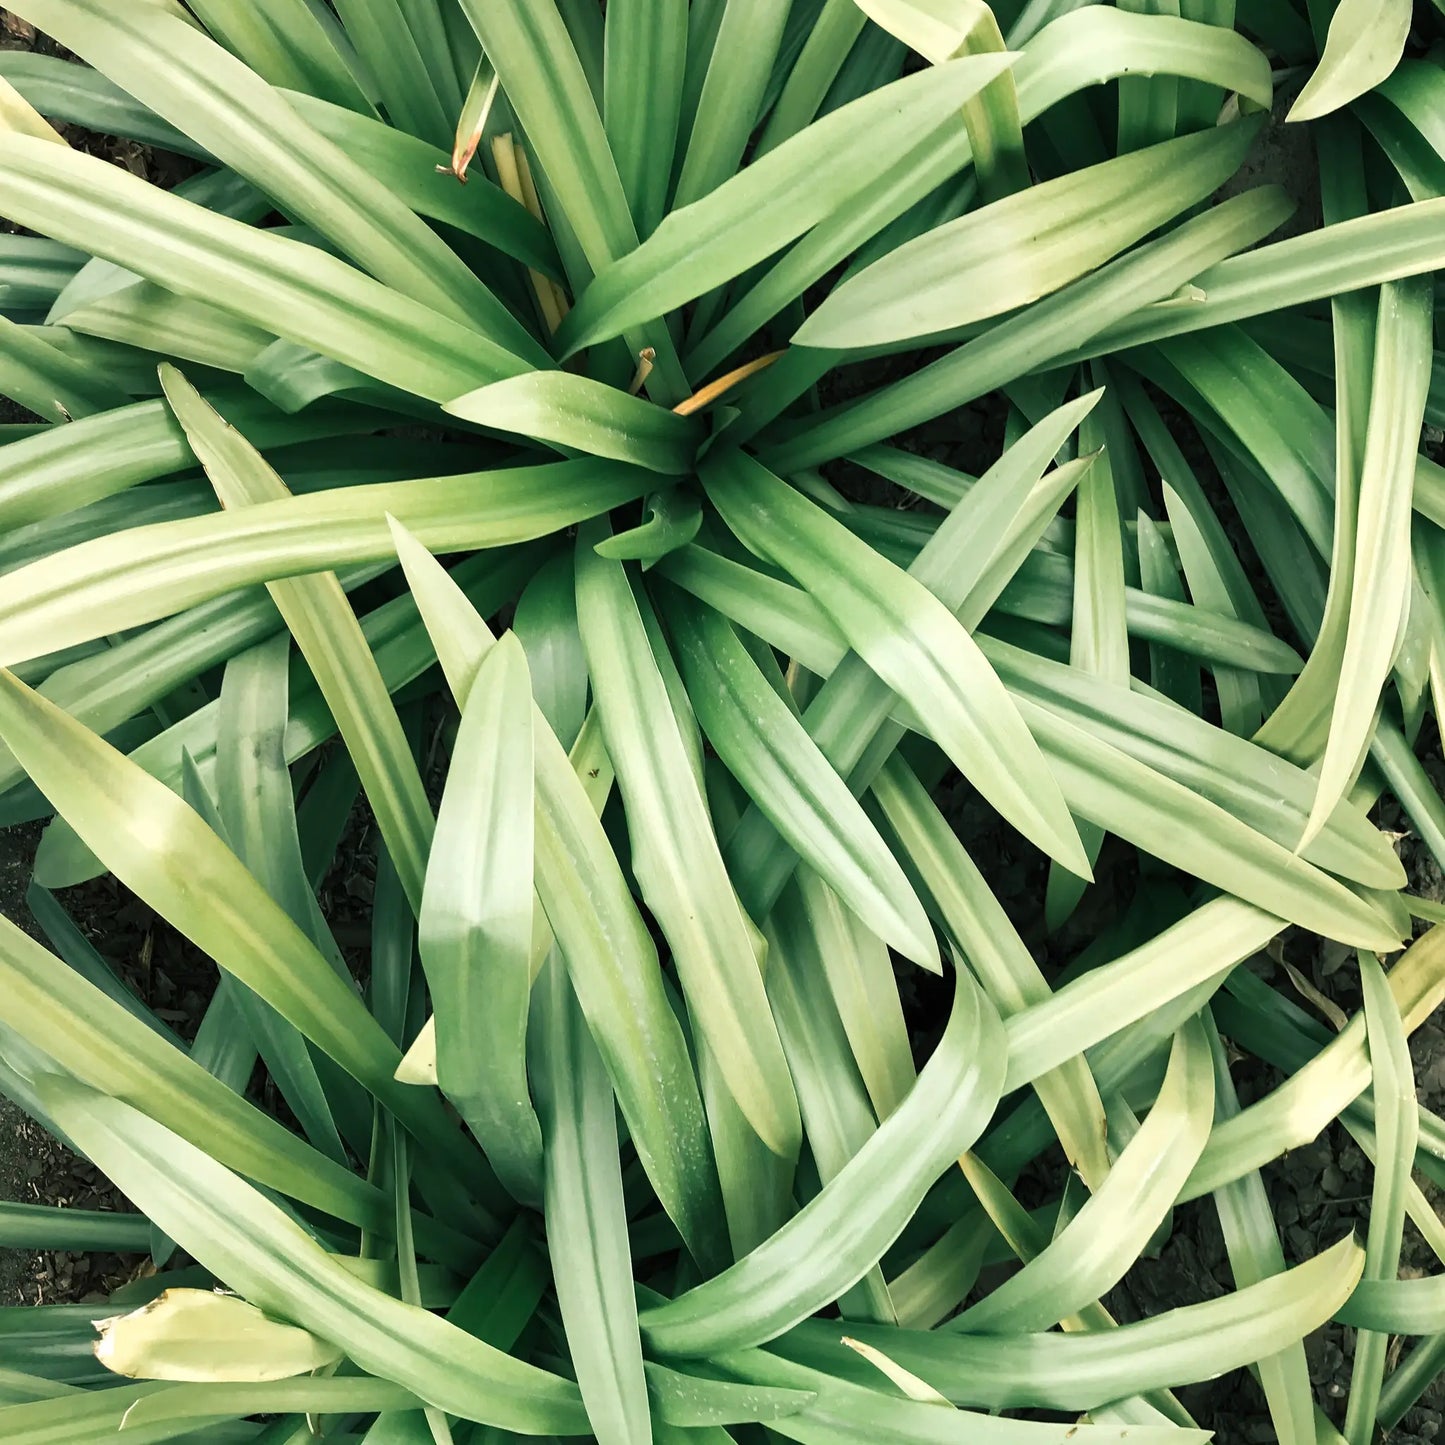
x: 1332, y: 1181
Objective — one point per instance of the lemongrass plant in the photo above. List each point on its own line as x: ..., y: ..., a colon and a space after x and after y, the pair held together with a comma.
x: 604, y: 320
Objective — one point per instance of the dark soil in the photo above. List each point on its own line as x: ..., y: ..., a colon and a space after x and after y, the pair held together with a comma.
x: 34, y: 1167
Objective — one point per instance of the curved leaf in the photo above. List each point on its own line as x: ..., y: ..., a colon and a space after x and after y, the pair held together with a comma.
x: 567, y: 411
x: 1091, y: 1253
x: 909, y: 639
x: 772, y: 201
x: 136, y: 576
x: 843, y: 1230
x: 1365, y: 42
x: 783, y: 770
x: 1025, y: 246
x: 247, y: 1241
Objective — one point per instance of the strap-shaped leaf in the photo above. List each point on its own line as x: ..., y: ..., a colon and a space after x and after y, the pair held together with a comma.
x: 1025, y: 246
x: 644, y: 57
x: 102, y: 1045
x: 1063, y: 322
x: 1079, y: 1371
x: 254, y: 799
x: 909, y: 639
x: 407, y: 167
x: 133, y: 577
x: 838, y: 1114
x: 1251, y: 1238
x: 247, y: 1241
x: 162, y: 850
x: 1365, y: 42
x: 978, y: 925
x: 610, y: 956
x: 185, y: 76
x: 1397, y: 1127
x: 293, y: 290
x: 783, y: 770
x: 1320, y: 1090
x: 1380, y: 590
x: 843, y: 1230
x: 586, y: 1213
x: 546, y: 84
x: 772, y: 201
x: 569, y: 411
x: 475, y: 925
x: 675, y: 854
x: 1091, y: 1253
x: 748, y: 35
x: 62, y: 469
x: 330, y: 638
x: 288, y: 43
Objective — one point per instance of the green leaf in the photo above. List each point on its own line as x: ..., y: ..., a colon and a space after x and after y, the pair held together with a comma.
x: 1080, y: 1371
x: 292, y: 290
x: 586, y: 1214
x: 45, y: 380
x: 610, y: 957
x: 402, y: 651
x: 1397, y: 1123
x: 979, y: 927
x: 417, y: 92
x: 748, y: 35
x: 1246, y: 1219
x: 839, y: 1117
x: 567, y: 411
x: 1380, y: 591
x: 475, y: 928
x: 768, y: 750
x: 407, y: 168
x: 189, y: 79
x: 1365, y: 42
x: 1093, y: 1251
x: 546, y: 621
x: 857, y: 970
x: 164, y: 852
x: 288, y: 43
x: 45, y: 1226
x: 772, y: 201
x: 967, y: 27
x: 908, y: 638
x: 546, y: 85
x: 845, y: 1229
x: 330, y: 638
x: 133, y: 577
x: 674, y: 518
x: 644, y: 56
x: 64, y: 468
x: 248, y: 1242
x: 1319, y: 1091
x: 1386, y: 246
x: 1098, y: 628
x: 1025, y: 246
x: 254, y: 799
x: 102, y: 1045
x: 694, y: 1402
x: 675, y: 854
x: 1048, y: 332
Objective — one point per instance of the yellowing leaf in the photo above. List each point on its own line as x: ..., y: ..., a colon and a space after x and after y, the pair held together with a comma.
x: 205, y: 1336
